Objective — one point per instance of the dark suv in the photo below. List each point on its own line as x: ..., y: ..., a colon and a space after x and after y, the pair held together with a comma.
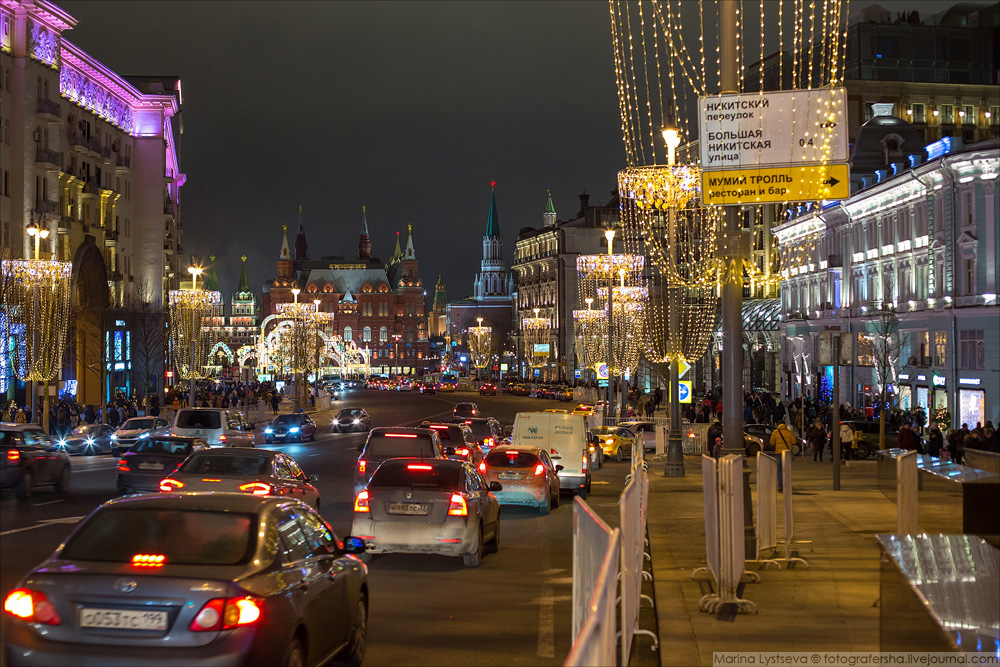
x: 394, y: 443
x: 463, y: 411
x: 487, y: 430
x: 866, y: 440
x: 28, y: 458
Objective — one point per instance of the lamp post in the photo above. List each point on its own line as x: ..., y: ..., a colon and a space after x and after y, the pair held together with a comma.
x: 609, y: 234
x: 38, y: 233
x: 195, y: 271
x: 316, y: 303
x: 296, y: 360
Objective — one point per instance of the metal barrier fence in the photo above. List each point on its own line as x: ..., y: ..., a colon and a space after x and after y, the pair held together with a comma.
x: 591, y: 537
x: 786, y: 476
x: 767, y: 513
x: 594, y: 644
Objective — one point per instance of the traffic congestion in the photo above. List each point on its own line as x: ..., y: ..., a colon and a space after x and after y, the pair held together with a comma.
x: 344, y: 534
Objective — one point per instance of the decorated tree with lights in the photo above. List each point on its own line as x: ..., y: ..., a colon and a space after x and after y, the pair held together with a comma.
x: 480, y: 340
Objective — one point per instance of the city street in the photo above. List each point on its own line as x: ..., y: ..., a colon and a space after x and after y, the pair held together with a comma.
x: 513, y: 609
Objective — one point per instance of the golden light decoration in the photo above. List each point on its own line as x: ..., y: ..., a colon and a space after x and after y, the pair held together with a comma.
x: 595, y: 271
x: 37, y: 304
x: 591, y: 334
x: 535, y: 334
x: 627, y: 325
x: 191, y: 315
x: 480, y: 344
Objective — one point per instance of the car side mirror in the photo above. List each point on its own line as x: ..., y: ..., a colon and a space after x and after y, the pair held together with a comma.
x: 313, y: 478
x: 361, y: 447
x: 558, y: 468
x: 496, y: 486
x: 354, y: 545
x: 449, y: 451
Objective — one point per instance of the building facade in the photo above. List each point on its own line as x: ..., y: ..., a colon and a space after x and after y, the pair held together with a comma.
x: 922, y: 244
x: 92, y: 157
x: 380, y: 308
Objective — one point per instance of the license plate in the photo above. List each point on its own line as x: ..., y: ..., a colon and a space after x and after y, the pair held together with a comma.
x: 123, y: 619
x: 406, y: 508
x: 509, y: 475
x: 150, y: 466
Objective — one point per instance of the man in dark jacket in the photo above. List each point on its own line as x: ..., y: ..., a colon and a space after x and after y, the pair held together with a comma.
x: 714, y: 431
x: 906, y: 439
x: 935, y: 440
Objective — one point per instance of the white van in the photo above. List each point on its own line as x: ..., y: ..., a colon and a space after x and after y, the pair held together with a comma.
x: 218, y: 427
x: 564, y: 437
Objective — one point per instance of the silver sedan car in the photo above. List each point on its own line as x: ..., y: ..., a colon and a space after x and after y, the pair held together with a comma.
x: 193, y: 579
x: 259, y: 472
x: 428, y: 506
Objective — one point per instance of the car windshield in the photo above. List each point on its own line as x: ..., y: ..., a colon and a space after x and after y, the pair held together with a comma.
x: 344, y: 414
x: 137, y: 424
x: 90, y: 429
x: 464, y: 408
x: 153, y: 446
x: 198, y: 419
x: 511, y: 458
x: 182, y: 537
x: 233, y: 465
x: 604, y: 430
x: 286, y: 420
x: 390, y: 445
x: 481, y: 430
x: 415, y: 475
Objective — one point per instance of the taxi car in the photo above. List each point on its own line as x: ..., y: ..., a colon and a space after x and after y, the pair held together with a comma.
x: 527, y: 475
x: 615, y: 441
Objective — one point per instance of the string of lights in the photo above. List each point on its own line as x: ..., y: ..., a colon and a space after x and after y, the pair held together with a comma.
x: 36, y: 314
x: 189, y: 310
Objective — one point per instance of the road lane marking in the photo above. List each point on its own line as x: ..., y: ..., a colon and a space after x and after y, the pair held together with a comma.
x: 50, y: 502
x: 546, y: 604
x: 42, y: 524
x: 96, y: 469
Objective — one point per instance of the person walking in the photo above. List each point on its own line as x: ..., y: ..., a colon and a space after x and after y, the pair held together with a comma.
x: 935, y: 441
x: 274, y: 403
x: 817, y: 438
x: 21, y: 417
x: 89, y: 415
x: 846, y: 440
x: 782, y: 439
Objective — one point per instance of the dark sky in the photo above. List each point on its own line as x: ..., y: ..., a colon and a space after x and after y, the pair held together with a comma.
x: 410, y: 108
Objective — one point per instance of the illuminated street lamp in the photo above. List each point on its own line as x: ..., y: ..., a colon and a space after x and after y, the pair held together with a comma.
x: 188, y: 310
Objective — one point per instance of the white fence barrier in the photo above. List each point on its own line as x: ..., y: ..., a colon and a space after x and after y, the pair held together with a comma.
x: 591, y: 536
x: 906, y: 493
x: 594, y: 644
x: 786, y: 476
x: 731, y: 553
x: 767, y: 513
x: 632, y: 512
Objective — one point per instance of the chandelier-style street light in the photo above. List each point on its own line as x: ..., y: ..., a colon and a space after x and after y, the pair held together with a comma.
x: 591, y: 335
x: 535, y: 333
x: 36, y: 311
x: 190, y: 336
x: 480, y: 344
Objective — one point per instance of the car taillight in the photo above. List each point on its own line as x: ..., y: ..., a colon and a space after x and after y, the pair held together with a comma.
x: 419, y: 466
x: 585, y: 457
x: 167, y: 485
x: 222, y: 438
x: 361, y: 466
x: 148, y: 560
x: 482, y: 467
x: 361, y: 503
x: 256, y: 488
x: 489, y: 443
x: 14, y: 455
x: 123, y: 465
x: 225, y: 613
x: 31, y: 606
x: 462, y: 451
x: 539, y: 469
x: 458, y: 506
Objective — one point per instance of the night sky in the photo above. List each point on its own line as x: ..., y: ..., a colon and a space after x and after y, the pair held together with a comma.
x: 409, y: 108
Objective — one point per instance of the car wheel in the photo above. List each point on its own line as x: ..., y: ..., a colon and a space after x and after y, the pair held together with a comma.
x: 294, y: 656
x: 366, y: 557
x: 474, y: 559
x: 863, y: 452
x: 25, y: 485
x: 267, y: 441
x: 354, y: 653
x: 335, y: 430
x: 752, y: 449
x: 620, y: 455
x: 797, y: 449
x: 312, y: 438
x: 495, y: 542
x: 63, y: 483
x: 93, y: 451
x: 555, y: 499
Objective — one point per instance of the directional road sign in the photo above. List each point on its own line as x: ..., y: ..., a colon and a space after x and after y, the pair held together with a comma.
x: 682, y: 367
x: 777, y: 128
x: 776, y: 184
x: 684, y: 391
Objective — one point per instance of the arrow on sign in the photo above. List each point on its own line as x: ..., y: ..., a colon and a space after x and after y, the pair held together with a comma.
x: 829, y: 124
x: 831, y: 181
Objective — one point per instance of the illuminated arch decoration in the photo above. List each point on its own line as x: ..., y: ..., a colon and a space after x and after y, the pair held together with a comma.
x: 224, y: 349
x: 246, y: 354
x: 333, y: 352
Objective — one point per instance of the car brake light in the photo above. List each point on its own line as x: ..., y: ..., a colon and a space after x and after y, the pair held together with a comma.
x: 458, y: 506
x: 222, y: 438
x: 14, y: 455
x: 167, y: 485
x: 490, y: 442
x: 361, y: 466
x: 419, y: 466
x: 361, y: 503
x: 148, y: 560
x: 256, y: 488
x: 463, y: 451
x: 468, y: 421
x: 482, y: 467
x: 223, y: 613
x: 31, y: 606
x: 400, y: 435
x: 123, y: 465
x: 585, y: 457
x: 539, y: 469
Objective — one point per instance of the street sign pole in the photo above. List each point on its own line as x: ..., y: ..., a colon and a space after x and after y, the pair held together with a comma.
x: 835, y: 422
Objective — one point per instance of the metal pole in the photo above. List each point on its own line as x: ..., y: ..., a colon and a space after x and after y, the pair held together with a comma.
x: 611, y: 286
x: 675, y: 449
x: 194, y: 287
x: 835, y: 421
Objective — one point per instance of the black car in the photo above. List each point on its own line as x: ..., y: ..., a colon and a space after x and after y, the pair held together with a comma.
x: 292, y: 427
x: 351, y: 419
x: 87, y: 439
x: 151, y: 459
x: 464, y: 411
x: 30, y: 459
x: 189, y: 579
x: 487, y: 430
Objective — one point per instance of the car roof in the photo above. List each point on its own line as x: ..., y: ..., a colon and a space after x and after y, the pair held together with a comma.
x: 399, y: 429
x: 437, y: 463
x: 531, y: 449
x: 352, y: 408
x: 214, y: 500
x: 235, y: 451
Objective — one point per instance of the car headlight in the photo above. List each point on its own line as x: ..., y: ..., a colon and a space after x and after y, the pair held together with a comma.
x: 141, y: 435
x: 294, y: 429
x: 115, y: 437
x: 90, y: 441
x: 62, y: 443
x: 357, y: 421
x: 268, y: 430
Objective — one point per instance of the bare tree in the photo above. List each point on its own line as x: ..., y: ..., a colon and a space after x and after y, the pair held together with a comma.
x: 886, y: 343
x: 94, y: 332
x: 150, y: 337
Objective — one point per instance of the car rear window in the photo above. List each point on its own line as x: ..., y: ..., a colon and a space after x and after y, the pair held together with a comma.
x: 463, y: 409
x: 444, y: 432
x: 415, y: 476
x: 402, y: 444
x: 481, y: 430
x: 242, y: 465
x: 198, y: 419
x: 150, y: 446
x: 182, y: 537
x: 511, y: 458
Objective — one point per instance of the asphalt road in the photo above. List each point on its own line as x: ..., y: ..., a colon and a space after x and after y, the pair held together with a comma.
x: 425, y: 610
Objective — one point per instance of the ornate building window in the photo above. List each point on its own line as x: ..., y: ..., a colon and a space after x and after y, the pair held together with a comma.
x: 347, y: 334
x: 383, y: 335
x: 366, y: 334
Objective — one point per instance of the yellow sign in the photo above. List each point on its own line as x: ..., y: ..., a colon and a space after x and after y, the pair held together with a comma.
x: 682, y: 367
x: 776, y: 184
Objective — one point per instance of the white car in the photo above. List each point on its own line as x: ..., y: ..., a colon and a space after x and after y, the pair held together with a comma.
x: 133, y: 429
x: 218, y: 427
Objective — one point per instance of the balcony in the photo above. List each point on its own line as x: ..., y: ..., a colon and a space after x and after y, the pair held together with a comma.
x: 106, y: 154
x: 48, y: 110
x: 85, y: 145
x: 168, y: 248
x: 90, y: 189
x: 168, y: 209
x: 66, y: 223
x: 123, y: 162
x: 46, y: 206
x: 51, y: 160
x: 115, y: 276
x: 111, y: 237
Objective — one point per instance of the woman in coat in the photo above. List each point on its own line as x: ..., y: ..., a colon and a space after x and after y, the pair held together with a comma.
x: 846, y: 440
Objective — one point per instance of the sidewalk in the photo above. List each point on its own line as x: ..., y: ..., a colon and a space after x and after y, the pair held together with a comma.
x: 829, y: 606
